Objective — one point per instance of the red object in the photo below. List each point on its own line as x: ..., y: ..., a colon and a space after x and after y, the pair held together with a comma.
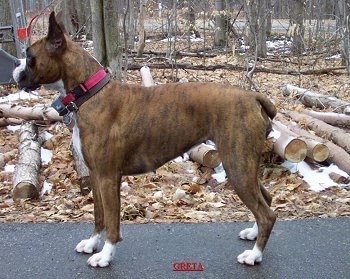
x: 85, y: 86
x: 22, y: 33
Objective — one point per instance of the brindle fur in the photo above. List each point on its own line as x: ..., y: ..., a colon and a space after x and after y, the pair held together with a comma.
x: 129, y: 129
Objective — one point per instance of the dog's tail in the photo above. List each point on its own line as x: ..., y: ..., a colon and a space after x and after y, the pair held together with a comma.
x: 267, y: 105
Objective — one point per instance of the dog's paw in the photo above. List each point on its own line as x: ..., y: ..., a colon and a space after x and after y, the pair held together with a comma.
x: 250, y: 233
x: 103, y: 258
x: 88, y: 245
x: 250, y: 257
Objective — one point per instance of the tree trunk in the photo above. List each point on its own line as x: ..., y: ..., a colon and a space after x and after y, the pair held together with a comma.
x: 74, y: 15
x: 141, y: 28
x: 5, y: 20
x: 112, y: 37
x: 346, y: 38
x: 25, y: 176
x: 220, y: 38
x: 256, y: 15
x: 296, y: 30
x: 98, y: 31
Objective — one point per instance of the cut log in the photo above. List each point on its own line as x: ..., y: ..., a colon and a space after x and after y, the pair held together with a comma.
x: 290, y: 148
x: 331, y: 118
x: 146, y: 76
x: 37, y: 112
x: 323, y: 129
x: 316, y: 150
x: 337, y: 155
x: 205, y: 155
x: 25, y: 176
x: 313, y: 99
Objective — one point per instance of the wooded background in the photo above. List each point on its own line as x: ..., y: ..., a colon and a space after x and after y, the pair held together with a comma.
x: 119, y: 27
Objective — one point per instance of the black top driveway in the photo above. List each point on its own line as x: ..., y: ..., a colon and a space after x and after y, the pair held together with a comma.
x: 305, y: 249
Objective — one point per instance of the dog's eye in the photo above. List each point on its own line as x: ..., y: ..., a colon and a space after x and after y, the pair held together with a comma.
x: 30, y: 61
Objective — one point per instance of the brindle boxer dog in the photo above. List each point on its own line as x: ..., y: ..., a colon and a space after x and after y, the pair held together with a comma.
x: 129, y: 129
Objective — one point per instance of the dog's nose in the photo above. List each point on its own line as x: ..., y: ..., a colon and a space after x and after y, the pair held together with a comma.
x: 17, y: 62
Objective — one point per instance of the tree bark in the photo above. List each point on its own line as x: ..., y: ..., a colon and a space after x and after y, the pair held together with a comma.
x: 256, y: 15
x: 141, y: 28
x: 220, y: 37
x: 296, y: 29
x: 25, y: 176
x: 5, y: 16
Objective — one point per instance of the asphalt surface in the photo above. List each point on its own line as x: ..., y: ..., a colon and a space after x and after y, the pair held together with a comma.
x: 306, y: 249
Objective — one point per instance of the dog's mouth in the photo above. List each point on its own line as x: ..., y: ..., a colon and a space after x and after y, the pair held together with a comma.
x: 29, y: 88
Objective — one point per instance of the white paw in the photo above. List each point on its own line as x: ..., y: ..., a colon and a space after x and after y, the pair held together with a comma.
x: 103, y: 258
x: 88, y: 245
x: 250, y: 257
x: 250, y: 233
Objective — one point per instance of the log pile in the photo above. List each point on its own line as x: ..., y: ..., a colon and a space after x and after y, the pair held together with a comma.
x: 305, y: 135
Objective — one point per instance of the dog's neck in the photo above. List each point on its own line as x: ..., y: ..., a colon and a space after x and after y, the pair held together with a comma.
x: 78, y: 72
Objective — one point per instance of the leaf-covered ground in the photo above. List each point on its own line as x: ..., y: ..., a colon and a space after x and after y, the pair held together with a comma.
x: 170, y: 194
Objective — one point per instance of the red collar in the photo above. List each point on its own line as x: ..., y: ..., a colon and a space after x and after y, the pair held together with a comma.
x: 84, y: 87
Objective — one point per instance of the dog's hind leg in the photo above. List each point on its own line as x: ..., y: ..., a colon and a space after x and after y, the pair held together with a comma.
x: 242, y: 172
x: 252, y: 233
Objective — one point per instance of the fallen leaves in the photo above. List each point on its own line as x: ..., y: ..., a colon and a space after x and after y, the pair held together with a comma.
x: 179, y: 191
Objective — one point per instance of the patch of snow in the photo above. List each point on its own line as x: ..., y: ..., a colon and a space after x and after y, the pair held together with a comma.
x: 185, y: 157
x: 46, y: 189
x: 220, y: 174
x: 9, y: 168
x: 317, y: 179
x: 46, y: 155
x: 334, y: 57
x: 274, y: 134
x: 13, y: 128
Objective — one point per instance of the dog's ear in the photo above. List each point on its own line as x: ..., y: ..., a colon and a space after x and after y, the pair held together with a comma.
x: 56, y: 42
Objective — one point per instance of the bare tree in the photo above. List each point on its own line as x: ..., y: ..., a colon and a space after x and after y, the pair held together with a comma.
x: 220, y: 39
x: 75, y: 16
x: 106, y: 34
x: 5, y: 20
x: 296, y: 30
x: 256, y: 15
x: 346, y: 39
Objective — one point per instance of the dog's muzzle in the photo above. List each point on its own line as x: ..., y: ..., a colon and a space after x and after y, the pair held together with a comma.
x: 20, y: 75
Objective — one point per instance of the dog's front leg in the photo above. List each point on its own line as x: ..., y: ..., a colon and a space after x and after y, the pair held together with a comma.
x: 90, y: 245
x: 109, y: 197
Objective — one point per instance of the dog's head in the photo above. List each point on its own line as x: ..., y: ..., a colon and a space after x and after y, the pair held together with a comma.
x: 43, y: 62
